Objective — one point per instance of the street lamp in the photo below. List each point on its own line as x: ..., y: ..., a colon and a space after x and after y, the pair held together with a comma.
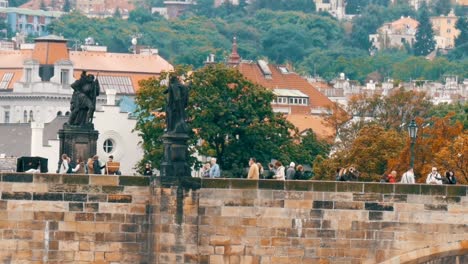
x: 413, y: 133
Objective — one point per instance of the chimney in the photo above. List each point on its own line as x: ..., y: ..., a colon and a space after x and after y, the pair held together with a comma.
x: 37, y: 133
x: 110, y: 93
x: 234, y: 58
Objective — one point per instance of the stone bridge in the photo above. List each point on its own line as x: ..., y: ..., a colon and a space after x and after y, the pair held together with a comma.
x: 51, y: 218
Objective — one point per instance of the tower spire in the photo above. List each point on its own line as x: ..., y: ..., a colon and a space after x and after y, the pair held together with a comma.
x: 234, y: 58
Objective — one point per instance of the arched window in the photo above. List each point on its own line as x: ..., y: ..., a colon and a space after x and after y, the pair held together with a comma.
x: 59, y: 113
x: 109, y: 145
x: 25, y: 116
x: 31, y: 116
x: 67, y: 113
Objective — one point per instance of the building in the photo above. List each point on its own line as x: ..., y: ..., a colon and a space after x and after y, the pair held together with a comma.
x: 50, y: 5
x: 105, y: 8
x: 300, y: 101
x: 445, y: 30
x: 28, y: 22
x: 3, y: 3
x: 395, y: 34
x: 335, y: 7
x: 218, y: 3
x: 177, y: 8
x: 35, y: 92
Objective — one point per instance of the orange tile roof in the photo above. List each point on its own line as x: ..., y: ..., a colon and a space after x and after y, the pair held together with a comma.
x: 49, y: 52
x: 403, y: 22
x: 119, y: 62
x: 300, y: 116
x: 305, y: 122
x: 14, y: 58
x: 284, y: 81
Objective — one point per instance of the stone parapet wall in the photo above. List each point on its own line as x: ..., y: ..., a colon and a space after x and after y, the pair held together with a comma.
x: 248, y: 221
x: 52, y: 218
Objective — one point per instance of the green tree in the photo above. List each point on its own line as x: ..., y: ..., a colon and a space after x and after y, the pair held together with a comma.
x: 140, y: 15
x: 441, y: 7
x: 284, y: 5
x: 425, y: 42
x: 462, y: 25
x: 117, y: 13
x: 232, y: 117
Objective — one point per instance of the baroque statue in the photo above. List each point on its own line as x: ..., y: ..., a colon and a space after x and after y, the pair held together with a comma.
x: 177, y: 101
x: 83, y: 102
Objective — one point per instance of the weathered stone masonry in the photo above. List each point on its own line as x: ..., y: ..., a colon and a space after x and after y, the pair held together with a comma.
x: 50, y: 218
x: 241, y: 221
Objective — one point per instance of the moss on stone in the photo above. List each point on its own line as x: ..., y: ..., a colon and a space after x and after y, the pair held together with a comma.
x: 47, y: 178
x: 433, y: 189
x: 243, y: 184
x: 379, y: 188
x: 215, y: 183
x: 271, y: 184
x: 298, y: 185
x: 324, y: 186
x: 134, y: 181
x: 17, y: 177
x: 75, y: 179
x: 456, y: 190
x: 349, y: 187
x: 408, y: 188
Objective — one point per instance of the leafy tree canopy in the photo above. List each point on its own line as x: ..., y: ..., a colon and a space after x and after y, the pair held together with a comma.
x: 232, y: 119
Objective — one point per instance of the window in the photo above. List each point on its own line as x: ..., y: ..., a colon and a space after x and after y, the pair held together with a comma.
x: 449, y: 21
x: 28, y: 75
x: 31, y: 116
x: 25, y: 116
x: 448, y: 30
x: 64, y: 77
x: 108, y: 145
x: 6, y: 80
x: 59, y: 113
x: 7, y: 117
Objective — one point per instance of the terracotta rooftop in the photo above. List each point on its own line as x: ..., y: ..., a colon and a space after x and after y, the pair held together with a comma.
x: 119, y: 67
x: 279, y: 80
x: 300, y: 116
x: 305, y: 122
x: 404, y: 22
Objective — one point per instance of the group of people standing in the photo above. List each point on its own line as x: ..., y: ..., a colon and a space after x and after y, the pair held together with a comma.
x: 275, y: 171
x: 211, y: 169
x: 78, y: 166
x: 433, y: 177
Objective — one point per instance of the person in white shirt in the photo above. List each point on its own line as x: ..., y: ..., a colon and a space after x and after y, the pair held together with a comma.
x: 279, y: 171
x: 64, y: 166
x: 408, y: 177
x: 434, y: 177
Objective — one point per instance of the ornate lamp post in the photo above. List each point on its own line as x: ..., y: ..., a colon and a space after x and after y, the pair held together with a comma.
x: 413, y: 133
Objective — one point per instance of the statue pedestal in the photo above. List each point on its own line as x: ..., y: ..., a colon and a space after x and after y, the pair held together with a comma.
x: 78, y: 142
x: 175, y: 164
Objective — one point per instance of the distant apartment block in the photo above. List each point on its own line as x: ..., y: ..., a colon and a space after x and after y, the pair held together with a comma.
x: 28, y: 22
x: 401, y: 32
x: 445, y: 30
x: 217, y: 3
x: 335, y: 7
x: 3, y: 3
x: 395, y: 34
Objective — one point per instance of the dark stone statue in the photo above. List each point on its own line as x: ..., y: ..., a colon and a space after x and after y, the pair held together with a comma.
x: 177, y: 101
x: 83, y: 102
x: 174, y: 166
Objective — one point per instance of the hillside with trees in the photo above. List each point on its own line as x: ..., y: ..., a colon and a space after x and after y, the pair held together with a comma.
x: 314, y: 43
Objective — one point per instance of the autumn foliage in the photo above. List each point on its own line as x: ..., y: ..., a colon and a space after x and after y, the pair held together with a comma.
x: 376, y: 140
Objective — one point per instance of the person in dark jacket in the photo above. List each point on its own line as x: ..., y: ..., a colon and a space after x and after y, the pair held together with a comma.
x: 450, y: 178
x: 148, y: 171
x: 96, y: 165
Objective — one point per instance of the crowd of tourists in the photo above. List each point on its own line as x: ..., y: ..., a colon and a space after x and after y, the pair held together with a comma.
x: 276, y: 170
x: 92, y: 166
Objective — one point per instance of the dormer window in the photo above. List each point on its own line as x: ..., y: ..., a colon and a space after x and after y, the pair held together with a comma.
x: 290, y: 97
x: 64, y: 77
x: 28, y: 77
